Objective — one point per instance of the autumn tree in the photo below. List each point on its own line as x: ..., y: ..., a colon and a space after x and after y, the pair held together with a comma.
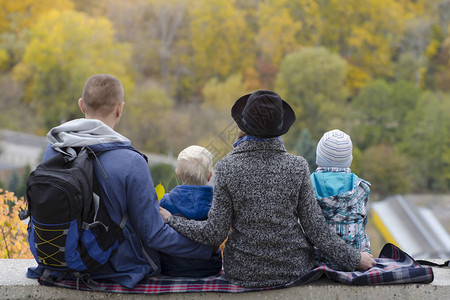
x: 147, y: 116
x: 65, y: 49
x: 221, y: 41
x: 365, y: 33
x: 380, y: 110
x: 16, y: 18
x: 215, y: 111
x: 312, y: 80
x: 286, y: 25
x: 160, y: 34
x: 306, y: 147
x: 13, y: 110
x: 13, y: 232
x: 426, y: 142
x: 386, y: 169
x: 442, y: 67
x: 221, y: 95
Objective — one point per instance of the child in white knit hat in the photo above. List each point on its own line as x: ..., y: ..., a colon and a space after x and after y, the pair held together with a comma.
x: 342, y: 195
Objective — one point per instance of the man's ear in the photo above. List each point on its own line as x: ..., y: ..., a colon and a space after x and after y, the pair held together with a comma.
x: 119, y: 109
x: 80, y: 105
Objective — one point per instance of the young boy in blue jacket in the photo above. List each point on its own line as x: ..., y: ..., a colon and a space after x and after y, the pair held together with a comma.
x: 342, y: 195
x: 191, y: 200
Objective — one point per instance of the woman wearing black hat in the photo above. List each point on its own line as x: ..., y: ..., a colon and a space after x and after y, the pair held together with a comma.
x: 265, y: 196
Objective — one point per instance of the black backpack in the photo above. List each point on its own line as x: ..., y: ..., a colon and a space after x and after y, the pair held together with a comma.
x: 69, y: 229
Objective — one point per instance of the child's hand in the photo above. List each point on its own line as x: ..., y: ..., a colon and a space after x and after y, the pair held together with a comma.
x: 165, y: 214
x: 366, y: 262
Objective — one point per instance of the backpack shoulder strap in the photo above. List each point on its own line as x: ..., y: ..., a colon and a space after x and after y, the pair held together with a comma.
x: 124, y: 220
x: 147, y: 257
x: 96, y: 155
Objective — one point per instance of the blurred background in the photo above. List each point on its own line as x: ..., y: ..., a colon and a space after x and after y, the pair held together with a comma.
x: 377, y: 69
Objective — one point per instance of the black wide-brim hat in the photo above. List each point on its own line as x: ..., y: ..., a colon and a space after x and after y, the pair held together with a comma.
x: 263, y: 114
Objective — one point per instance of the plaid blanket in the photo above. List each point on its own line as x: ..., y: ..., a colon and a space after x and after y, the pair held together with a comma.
x: 393, y: 267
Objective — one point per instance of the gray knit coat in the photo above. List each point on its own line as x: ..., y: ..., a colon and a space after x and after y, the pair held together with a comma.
x: 265, y: 196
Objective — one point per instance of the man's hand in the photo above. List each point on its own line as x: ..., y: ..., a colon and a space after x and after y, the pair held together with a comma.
x: 165, y: 214
x: 366, y: 261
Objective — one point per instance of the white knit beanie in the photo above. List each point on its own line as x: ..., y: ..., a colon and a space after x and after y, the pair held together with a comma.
x: 334, y: 150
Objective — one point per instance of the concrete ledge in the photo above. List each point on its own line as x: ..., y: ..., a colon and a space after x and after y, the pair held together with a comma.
x: 14, y: 285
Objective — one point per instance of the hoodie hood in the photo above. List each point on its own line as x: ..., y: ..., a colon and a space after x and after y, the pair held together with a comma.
x: 192, y: 201
x: 330, y: 182
x: 83, y: 132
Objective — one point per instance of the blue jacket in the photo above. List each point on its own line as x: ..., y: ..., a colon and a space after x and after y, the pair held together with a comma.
x: 343, y: 197
x: 327, y: 184
x: 129, y: 188
x: 193, y: 202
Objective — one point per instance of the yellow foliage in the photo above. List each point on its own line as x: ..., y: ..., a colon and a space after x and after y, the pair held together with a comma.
x: 356, y: 78
x: 222, y: 95
x: 160, y: 191
x: 285, y: 25
x: 13, y: 232
x: 72, y: 41
x: 221, y: 39
x: 366, y: 32
x: 277, y: 34
x: 4, y: 59
x: 24, y: 13
x: 432, y: 49
x: 65, y: 48
x: 422, y: 71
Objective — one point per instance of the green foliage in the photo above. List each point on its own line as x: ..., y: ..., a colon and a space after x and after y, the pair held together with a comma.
x: 13, y: 181
x: 312, y: 80
x: 165, y: 175
x: 21, y: 189
x: 408, y: 68
x: 381, y: 109
x: 357, y: 160
x: 426, y: 141
x: 442, y: 68
x: 385, y: 169
x: 18, y: 184
x: 306, y: 147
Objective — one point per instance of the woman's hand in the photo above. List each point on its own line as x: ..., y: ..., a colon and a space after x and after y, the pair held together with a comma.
x: 165, y: 214
x: 366, y: 261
